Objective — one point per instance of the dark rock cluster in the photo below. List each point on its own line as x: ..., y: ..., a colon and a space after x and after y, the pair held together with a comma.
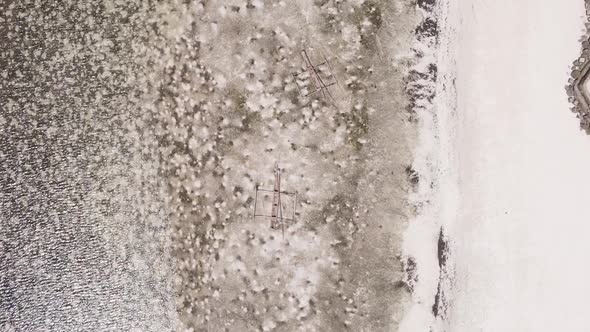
x: 579, y: 96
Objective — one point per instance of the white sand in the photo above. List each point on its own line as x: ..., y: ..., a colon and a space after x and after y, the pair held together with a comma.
x: 520, y: 238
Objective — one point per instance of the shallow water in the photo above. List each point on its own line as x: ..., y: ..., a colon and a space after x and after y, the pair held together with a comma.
x: 133, y: 137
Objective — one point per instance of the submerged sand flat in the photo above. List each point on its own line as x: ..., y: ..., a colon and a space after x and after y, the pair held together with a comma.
x: 134, y: 136
x: 337, y: 266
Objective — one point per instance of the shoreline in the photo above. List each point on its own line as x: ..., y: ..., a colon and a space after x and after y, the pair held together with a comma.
x: 426, y: 242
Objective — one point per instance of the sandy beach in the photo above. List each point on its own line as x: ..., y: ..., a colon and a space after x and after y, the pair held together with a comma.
x: 511, y: 168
